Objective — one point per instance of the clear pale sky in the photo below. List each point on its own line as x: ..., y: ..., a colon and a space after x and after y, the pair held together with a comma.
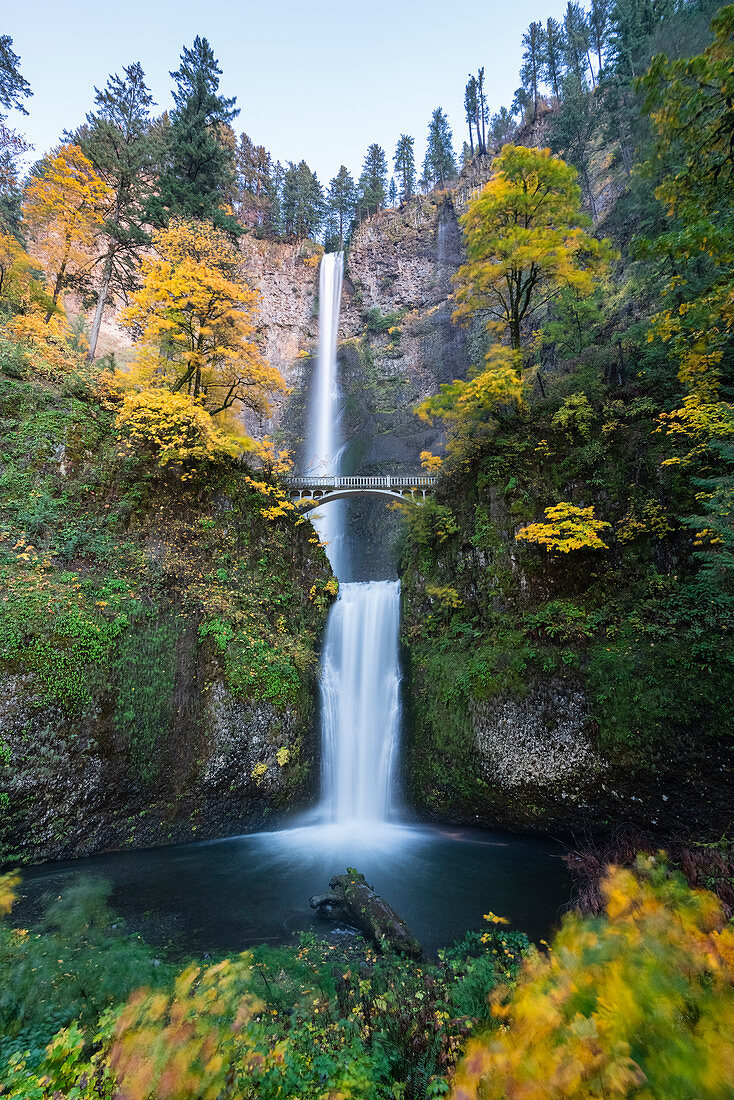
x: 317, y: 81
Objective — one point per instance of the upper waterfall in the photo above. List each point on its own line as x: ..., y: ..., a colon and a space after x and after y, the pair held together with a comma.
x: 321, y: 452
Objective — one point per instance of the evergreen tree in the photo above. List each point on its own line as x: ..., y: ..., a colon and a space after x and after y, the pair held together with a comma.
x: 275, y: 195
x: 14, y: 88
x: 439, y: 164
x: 502, y: 128
x: 342, y: 203
x: 551, y: 62
x: 404, y: 161
x: 599, y: 26
x: 532, y: 60
x: 392, y: 194
x: 373, y: 182
x: 117, y: 141
x: 482, y: 113
x: 303, y: 202
x: 471, y: 106
x: 577, y: 42
x: 572, y: 131
x: 252, y: 188
x: 199, y: 168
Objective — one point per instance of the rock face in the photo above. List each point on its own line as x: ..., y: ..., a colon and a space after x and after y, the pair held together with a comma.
x: 73, y: 789
x: 539, y: 738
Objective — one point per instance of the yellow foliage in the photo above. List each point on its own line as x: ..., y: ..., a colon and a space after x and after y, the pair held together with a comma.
x: 568, y: 528
x: 182, y: 1045
x: 198, y: 323
x: 64, y: 210
x: 524, y: 241
x: 174, y: 428
x: 446, y: 597
x: 8, y: 891
x: 699, y: 421
x: 431, y: 462
x: 637, y: 1004
x: 648, y: 519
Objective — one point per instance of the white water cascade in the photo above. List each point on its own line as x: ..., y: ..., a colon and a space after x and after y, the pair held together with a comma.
x: 360, y: 675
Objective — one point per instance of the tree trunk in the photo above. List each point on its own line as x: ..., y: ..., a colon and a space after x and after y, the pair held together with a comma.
x: 101, y: 303
x: 351, y: 900
x: 589, y: 192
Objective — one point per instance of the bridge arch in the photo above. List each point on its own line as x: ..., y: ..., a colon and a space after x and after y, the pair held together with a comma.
x: 308, y: 493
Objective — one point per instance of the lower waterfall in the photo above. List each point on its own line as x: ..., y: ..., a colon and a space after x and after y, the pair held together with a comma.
x: 360, y: 691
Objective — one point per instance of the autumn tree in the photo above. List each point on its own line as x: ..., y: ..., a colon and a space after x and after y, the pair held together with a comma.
x: 198, y: 167
x: 404, y: 161
x: 197, y: 323
x: 525, y: 242
x: 65, y: 208
x: 439, y: 164
x: 342, y: 202
x: 636, y: 1003
x: 117, y: 141
x: 373, y: 182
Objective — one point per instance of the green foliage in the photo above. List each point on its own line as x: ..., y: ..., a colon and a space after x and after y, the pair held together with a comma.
x: 80, y: 963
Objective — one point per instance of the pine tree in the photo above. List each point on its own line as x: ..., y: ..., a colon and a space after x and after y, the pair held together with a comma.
x: 551, y: 67
x: 342, y: 203
x: 577, y: 42
x: 275, y: 195
x: 599, y: 26
x: 404, y: 161
x: 117, y: 141
x: 532, y: 59
x: 471, y: 107
x: 14, y: 88
x: 572, y: 130
x: 392, y: 194
x: 373, y: 182
x: 199, y: 168
x: 439, y: 164
x: 482, y: 113
x: 252, y: 188
x: 303, y: 202
x: 502, y: 128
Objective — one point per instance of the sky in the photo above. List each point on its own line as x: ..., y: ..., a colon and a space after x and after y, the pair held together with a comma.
x: 317, y: 81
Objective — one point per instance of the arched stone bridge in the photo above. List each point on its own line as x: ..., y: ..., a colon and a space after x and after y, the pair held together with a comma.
x: 310, y: 491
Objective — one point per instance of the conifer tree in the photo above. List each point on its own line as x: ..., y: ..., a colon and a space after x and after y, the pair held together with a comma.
x: 599, y: 26
x: 551, y: 61
x: 532, y: 60
x: 392, y: 194
x: 117, y: 141
x: 471, y: 107
x: 373, y: 182
x: 404, y: 161
x: 572, y: 130
x: 252, y: 187
x: 14, y: 88
x: 482, y: 112
x: 303, y: 202
x: 577, y: 41
x: 502, y: 128
x: 342, y: 203
x: 439, y: 164
x: 199, y: 169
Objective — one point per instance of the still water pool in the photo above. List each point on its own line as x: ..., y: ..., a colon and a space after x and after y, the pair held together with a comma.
x: 223, y: 896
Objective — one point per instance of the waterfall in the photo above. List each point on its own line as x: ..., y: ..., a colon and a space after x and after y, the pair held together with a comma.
x: 360, y: 673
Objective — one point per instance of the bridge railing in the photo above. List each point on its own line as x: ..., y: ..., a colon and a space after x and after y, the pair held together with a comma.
x: 361, y: 481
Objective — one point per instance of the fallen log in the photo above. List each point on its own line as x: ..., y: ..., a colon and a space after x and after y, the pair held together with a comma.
x: 352, y: 900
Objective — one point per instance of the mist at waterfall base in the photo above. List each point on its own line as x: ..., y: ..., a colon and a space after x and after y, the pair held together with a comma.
x: 226, y: 895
